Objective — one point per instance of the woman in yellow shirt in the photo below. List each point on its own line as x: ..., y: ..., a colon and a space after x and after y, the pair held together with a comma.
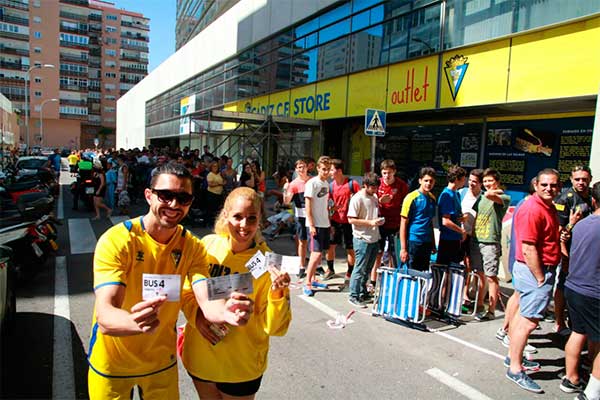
x: 226, y: 361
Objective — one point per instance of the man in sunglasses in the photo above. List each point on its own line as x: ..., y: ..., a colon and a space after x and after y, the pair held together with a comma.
x: 139, y: 269
x: 574, y: 201
x: 537, y: 253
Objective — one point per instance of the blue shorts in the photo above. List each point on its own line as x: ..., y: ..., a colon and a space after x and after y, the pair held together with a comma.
x: 319, y: 242
x: 533, y: 299
x: 301, y: 229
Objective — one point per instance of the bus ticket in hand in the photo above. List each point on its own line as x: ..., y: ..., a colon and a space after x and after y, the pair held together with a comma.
x: 221, y: 287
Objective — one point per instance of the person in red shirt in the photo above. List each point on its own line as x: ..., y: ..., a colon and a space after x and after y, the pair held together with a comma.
x: 537, y: 253
x: 341, y: 189
x: 391, y: 193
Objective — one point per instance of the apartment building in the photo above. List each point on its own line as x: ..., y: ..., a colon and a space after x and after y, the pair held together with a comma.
x: 75, y: 58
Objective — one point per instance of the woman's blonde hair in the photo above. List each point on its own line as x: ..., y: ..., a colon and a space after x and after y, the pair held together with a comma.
x: 221, y: 225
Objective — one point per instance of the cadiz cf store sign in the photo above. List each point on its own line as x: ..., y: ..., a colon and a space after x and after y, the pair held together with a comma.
x: 518, y: 104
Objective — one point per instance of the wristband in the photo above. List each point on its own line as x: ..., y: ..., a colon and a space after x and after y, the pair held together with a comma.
x: 569, y: 227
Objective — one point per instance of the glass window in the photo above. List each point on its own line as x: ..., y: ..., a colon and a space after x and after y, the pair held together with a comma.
x: 366, y: 49
x: 334, y: 15
x: 334, y: 31
x: 358, y: 5
x: 37, y: 35
x: 37, y: 19
x: 304, y: 68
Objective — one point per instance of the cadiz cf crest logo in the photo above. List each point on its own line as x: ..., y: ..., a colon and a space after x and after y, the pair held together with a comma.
x: 455, y: 70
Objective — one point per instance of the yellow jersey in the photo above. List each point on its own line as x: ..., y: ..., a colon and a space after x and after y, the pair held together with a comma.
x: 73, y: 159
x: 123, y: 254
x: 241, y: 355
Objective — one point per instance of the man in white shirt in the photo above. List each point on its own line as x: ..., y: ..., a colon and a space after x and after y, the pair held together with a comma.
x: 363, y: 215
x: 316, y: 196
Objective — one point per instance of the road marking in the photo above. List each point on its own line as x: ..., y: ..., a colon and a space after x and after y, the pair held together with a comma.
x: 117, y: 219
x: 456, y: 385
x: 323, y: 307
x: 81, y: 236
x: 63, y: 385
x: 61, y: 211
x: 471, y: 345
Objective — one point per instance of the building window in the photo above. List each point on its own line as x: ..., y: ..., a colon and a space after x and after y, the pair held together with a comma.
x: 37, y: 19
x: 37, y: 35
x: 109, y: 109
x: 110, y: 75
x: 111, y: 41
x: 37, y: 64
x: 110, y: 64
x: 111, y: 52
x: 37, y: 49
x: 110, y: 28
x: 111, y: 17
x: 37, y: 79
x: 37, y: 3
x: 37, y: 93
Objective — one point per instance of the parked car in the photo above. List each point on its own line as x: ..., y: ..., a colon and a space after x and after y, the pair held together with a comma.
x: 29, y: 165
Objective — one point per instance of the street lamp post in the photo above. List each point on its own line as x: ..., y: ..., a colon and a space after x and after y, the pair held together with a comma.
x: 42, y: 119
x: 27, y: 99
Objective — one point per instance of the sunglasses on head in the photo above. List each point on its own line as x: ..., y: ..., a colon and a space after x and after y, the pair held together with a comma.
x: 167, y: 196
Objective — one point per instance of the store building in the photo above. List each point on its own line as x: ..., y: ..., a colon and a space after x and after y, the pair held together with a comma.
x: 75, y: 58
x: 509, y: 84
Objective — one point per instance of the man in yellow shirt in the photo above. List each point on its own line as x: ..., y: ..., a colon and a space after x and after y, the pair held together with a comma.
x: 139, y: 270
x: 73, y: 159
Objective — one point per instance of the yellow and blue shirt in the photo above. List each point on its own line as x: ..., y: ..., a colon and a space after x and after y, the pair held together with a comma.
x: 241, y: 355
x: 419, y: 209
x: 123, y: 254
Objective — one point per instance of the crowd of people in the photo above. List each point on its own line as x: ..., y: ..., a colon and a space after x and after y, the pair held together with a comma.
x: 378, y: 221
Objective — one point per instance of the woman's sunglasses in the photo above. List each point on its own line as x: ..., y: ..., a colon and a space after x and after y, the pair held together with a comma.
x: 167, y: 196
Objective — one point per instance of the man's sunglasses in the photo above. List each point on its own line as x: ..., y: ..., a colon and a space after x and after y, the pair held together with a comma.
x: 167, y: 196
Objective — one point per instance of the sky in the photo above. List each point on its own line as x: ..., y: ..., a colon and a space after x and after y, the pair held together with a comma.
x: 162, y: 26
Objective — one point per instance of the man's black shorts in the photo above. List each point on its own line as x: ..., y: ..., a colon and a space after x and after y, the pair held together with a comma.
x: 339, y: 231
x: 301, y: 229
x: 237, y: 389
x: 449, y: 251
x: 583, y: 314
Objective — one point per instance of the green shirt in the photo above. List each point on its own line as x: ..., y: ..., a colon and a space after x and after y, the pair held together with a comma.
x: 488, y: 221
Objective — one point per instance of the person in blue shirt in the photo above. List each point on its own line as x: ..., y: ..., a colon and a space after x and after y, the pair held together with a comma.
x: 54, y: 161
x: 450, y: 218
x: 416, y: 228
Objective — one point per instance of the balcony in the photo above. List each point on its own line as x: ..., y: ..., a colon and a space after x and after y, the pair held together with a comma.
x: 132, y: 57
x: 132, y: 81
x: 134, y: 70
x: 138, y: 25
x: 14, y: 96
x: 66, y: 72
x: 76, y: 17
x: 73, y: 88
x: 92, y: 100
x: 83, y: 3
x: 13, y: 35
x: 134, y: 47
x: 14, y: 20
x: 95, y: 28
x: 20, y: 5
x: 64, y: 28
x: 73, y: 58
x: 14, y: 65
x: 95, y: 64
x: 73, y: 116
x: 95, y: 17
x: 73, y: 45
x: 68, y: 102
x: 14, y: 51
x: 135, y: 36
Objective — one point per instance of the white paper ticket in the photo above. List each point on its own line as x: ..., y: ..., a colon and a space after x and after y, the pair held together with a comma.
x: 257, y: 265
x: 154, y: 285
x: 289, y: 264
x: 221, y: 287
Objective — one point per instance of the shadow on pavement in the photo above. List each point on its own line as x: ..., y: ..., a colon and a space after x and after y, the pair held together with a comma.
x: 27, y: 359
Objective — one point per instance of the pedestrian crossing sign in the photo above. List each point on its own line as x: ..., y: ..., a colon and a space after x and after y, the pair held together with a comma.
x: 374, y: 122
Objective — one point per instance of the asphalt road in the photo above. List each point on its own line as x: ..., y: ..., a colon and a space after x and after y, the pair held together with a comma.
x: 369, y: 358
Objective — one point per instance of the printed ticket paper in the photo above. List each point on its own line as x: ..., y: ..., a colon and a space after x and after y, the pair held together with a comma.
x: 257, y: 265
x: 155, y: 285
x: 288, y: 264
x: 221, y: 287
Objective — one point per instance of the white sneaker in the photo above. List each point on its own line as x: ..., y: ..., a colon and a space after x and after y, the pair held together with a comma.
x: 501, y: 333
x: 528, y: 348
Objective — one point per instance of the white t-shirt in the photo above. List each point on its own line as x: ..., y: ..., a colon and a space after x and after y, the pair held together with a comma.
x: 318, y: 191
x: 364, y: 206
x: 466, y: 204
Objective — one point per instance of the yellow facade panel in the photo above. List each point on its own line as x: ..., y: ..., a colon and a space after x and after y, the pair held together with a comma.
x: 298, y: 100
x: 559, y: 62
x: 367, y: 90
x: 475, y: 75
x: 412, y: 85
x: 330, y: 99
x: 279, y: 103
